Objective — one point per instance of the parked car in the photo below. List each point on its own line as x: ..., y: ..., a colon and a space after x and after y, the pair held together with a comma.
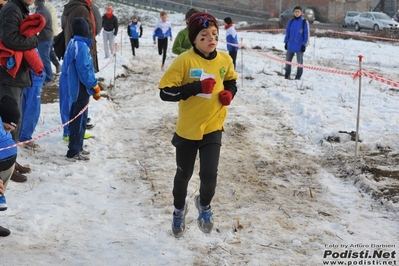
x: 307, y: 13
x: 375, y: 21
x: 348, y: 19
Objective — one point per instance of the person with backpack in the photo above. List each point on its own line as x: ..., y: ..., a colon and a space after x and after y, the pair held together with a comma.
x: 296, y: 39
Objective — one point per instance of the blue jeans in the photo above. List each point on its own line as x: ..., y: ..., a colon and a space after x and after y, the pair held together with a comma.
x: 30, y: 112
x: 299, y: 59
x: 44, y: 51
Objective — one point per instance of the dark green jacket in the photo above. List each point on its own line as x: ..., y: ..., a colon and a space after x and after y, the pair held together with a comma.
x: 181, y: 43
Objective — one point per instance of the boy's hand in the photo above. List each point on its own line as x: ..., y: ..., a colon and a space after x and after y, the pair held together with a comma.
x: 97, y: 96
x: 207, y: 85
x: 225, y: 97
x: 97, y: 92
x: 155, y: 42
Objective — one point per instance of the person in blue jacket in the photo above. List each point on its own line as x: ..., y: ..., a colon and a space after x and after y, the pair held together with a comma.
x: 9, y: 117
x: 31, y: 101
x: 65, y: 104
x: 134, y: 30
x: 231, y: 38
x: 296, y: 39
x: 82, y: 83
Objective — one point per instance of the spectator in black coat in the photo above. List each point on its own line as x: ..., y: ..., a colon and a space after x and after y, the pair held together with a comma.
x: 10, y: 16
x: 110, y: 30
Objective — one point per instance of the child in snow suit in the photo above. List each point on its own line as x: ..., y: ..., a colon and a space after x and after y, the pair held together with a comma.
x: 203, y: 81
x: 81, y: 84
x: 162, y: 31
x: 134, y: 30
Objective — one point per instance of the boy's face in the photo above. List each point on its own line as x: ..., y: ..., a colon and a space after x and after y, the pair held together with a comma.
x: 164, y: 18
x: 297, y: 13
x: 207, y: 40
x: 135, y: 20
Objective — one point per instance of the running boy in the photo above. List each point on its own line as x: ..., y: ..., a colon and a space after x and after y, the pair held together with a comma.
x: 182, y: 42
x: 134, y: 30
x: 162, y: 31
x: 203, y: 81
x: 231, y: 39
x: 81, y: 84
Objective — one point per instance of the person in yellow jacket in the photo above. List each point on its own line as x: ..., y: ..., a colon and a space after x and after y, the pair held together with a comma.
x: 203, y: 81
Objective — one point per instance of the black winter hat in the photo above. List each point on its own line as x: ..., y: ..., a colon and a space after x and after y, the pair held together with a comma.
x: 227, y: 20
x: 191, y: 12
x: 80, y: 27
x: 9, y: 111
x: 199, y: 21
x: 39, y: 2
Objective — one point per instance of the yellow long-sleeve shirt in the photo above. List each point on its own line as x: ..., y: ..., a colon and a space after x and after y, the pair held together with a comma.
x: 198, y: 115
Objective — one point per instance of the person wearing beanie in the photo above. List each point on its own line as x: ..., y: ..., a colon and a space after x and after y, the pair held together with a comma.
x: 295, y: 41
x: 134, y: 31
x: 45, y: 40
x: 182, y: 43
x: 9, y: 117
x: 203, y: 81
x: 81, y: 80
x: 231, y: 39
x: 110, y: 30
x: 65, y: 102
x: 162, y: 31
x: 11, y: 15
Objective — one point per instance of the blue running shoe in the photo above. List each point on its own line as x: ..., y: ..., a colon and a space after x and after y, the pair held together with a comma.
x: 205, y: 219
x: 3, y: 203
x: 179, y: 223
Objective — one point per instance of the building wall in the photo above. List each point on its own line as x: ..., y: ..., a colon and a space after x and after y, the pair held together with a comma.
x: 330, y: 10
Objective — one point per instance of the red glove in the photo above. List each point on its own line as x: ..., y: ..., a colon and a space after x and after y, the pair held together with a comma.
x: 207, y: 85
x: 225, y: 97
x: 97, y: 92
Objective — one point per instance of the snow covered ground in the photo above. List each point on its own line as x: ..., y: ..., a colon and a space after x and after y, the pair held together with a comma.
x: 285, y: 195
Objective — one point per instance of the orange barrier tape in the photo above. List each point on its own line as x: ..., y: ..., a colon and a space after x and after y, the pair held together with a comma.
x: 325, y: 31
